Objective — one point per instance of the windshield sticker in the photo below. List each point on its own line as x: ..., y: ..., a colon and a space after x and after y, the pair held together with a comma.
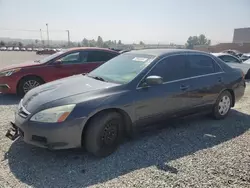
x: 140, y: 59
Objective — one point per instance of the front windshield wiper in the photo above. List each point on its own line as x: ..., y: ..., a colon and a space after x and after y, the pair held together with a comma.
x: 97, y: 78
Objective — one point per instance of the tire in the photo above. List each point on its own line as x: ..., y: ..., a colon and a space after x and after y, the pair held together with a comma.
x: 34, y: 81
x: 222, y: 105
x: 104, y: 134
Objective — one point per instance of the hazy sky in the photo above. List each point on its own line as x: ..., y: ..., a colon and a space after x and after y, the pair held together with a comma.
x: 151, y: 21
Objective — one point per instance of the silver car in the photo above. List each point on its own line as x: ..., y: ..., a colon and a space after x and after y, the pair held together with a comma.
x: 234, y: 62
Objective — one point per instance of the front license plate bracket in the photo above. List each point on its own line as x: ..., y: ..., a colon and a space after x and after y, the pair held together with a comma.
x: 12, y: 133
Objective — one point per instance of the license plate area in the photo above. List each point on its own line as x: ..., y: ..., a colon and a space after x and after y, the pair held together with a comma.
x: 13, y: 133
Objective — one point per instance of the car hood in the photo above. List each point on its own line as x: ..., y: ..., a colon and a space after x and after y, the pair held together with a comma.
x: 20, y: 65
x: 243, y: 66
x: 63, y: 88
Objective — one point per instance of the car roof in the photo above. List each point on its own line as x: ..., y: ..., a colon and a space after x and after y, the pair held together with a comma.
x: 163, y: 52
x: 92, y: 48
x: 221, y: 53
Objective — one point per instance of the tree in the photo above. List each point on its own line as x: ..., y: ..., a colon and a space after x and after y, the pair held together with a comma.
x: 36, y: 41
x: 92, y: 43
x: 78, y: 44
x: 85, y: 42
x: 105, y: 45
x: 20, y: 44
x: 99, y: 41
x: 197, y: 40
x: 119, y: 42
x: 142, y: 43
x: 2, y: 43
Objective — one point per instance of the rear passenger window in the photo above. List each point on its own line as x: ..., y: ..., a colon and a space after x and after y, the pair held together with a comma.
x: 200, y: 65
x: 170, y: 69
x: 98, y: 56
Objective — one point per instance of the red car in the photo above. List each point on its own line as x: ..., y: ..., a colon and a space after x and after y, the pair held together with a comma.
x: 46, y: 51
x: 21, y: 78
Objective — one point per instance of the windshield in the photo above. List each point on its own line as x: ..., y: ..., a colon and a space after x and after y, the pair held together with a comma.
x: 48, y: 58
x: 123, y: 68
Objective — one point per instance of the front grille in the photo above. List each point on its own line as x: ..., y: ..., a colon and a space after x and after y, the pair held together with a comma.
x: 23, y: 114
x: 40, y: 139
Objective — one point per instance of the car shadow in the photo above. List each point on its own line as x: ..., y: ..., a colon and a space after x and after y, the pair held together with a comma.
x: 74, y: 168
x: 7, y: 99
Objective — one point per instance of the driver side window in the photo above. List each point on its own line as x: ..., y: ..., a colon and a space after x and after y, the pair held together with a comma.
x: 171, y: 68
x: 75, y: 58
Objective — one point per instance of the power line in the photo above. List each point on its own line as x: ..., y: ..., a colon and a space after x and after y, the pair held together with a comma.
x: 30, y: 30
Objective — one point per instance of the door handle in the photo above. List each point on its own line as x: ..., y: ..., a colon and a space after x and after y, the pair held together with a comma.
x: 184, y: 87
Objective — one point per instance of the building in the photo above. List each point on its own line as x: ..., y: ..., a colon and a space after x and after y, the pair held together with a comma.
x: 241, y: 35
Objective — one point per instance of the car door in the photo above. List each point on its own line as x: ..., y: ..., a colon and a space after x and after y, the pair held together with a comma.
x: 65, y: 65
x: 170, y: 98
x: 94, y: 58
x: 205, y: 80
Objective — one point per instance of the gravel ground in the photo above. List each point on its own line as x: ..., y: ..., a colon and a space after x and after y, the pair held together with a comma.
x: 12, y: 57
x: 193, y: 152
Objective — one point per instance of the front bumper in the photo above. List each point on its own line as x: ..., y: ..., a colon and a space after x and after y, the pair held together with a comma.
x: 8, y: 84
x: 4, y: 88
x: 49, y: 135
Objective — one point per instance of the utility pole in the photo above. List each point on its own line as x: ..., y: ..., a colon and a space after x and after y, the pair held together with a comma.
x: 47, y: 25
x: 41, y: 35
x: 68, y: 38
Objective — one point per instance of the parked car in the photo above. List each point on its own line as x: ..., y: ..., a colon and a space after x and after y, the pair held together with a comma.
x: 35, y: 49
x: 46, y: 51
x: 245, y: 57
x: 234, y: 62
x: 3, y: 48
x: 29, y: 49
x: 235, y: 53
x: 10, y: 49
x: 16, y: 48
x: 124, y: 51
x: 247, y: 61
x: 20, y: 78
x: 126, y: 93
x: 23, y: 49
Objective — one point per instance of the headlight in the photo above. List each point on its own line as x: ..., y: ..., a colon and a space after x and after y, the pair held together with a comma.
x: 9, y: 72
x: 53, y: 115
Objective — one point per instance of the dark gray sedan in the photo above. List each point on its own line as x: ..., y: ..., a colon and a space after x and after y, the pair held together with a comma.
x: 132, y: 90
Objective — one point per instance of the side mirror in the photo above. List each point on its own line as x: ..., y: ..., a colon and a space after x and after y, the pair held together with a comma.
x: 153, y: 80
x: 57, y: 63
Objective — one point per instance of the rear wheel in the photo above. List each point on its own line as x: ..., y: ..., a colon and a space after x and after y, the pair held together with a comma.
x: 222, y: 105
x: 27, y: 84
x: 104, y: 134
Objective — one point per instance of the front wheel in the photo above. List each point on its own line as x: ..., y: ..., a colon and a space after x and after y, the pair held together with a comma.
x: 222, y: 105
x: 104, y: 134
x: 27, y: 84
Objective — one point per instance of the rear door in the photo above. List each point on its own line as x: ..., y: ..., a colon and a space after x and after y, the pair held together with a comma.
x: 205, y: 80
x: 94, y: 59
x: 169, y: 98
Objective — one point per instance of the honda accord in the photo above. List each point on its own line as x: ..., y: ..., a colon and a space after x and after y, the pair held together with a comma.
x: 134, y: 89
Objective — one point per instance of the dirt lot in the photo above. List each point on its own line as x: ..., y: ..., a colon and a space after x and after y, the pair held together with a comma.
x: 8, y: 58
x: 195, y: 152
